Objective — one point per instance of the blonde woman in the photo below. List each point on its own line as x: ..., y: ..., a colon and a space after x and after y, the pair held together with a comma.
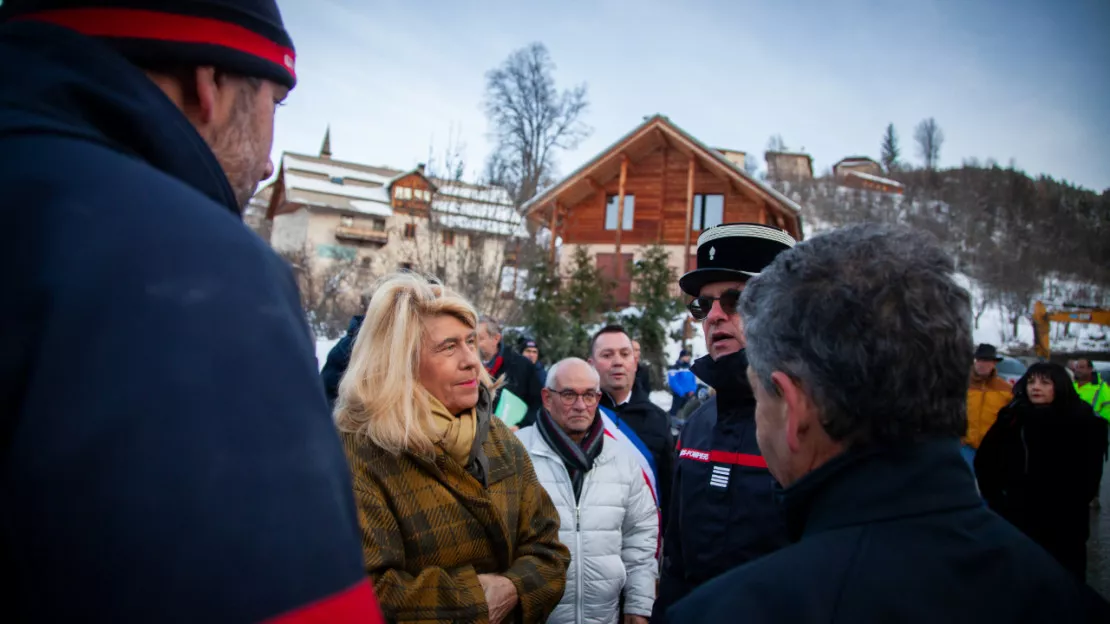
x: 455, y: 526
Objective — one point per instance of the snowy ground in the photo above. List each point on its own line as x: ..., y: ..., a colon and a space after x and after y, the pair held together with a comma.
x: 323, y: 345
x: 995, y: 328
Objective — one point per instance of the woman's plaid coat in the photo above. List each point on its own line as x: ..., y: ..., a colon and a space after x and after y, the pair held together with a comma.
x: 430, y: 527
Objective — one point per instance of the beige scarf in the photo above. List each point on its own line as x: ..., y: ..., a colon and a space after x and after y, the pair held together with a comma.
x: 456, y: 433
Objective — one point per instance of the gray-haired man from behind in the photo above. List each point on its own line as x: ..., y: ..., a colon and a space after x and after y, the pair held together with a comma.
x: 858, y: 343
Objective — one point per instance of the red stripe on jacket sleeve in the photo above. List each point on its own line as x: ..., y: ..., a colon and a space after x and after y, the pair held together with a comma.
x: 737, y: 459
x: 354, y: 605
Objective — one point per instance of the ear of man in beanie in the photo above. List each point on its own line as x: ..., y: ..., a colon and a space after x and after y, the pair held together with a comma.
x: 246, y: 37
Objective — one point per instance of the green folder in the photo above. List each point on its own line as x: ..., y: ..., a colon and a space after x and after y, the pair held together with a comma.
x: 510, y: 408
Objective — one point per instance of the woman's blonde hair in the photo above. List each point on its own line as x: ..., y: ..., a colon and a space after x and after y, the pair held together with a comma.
x: 380, y: 395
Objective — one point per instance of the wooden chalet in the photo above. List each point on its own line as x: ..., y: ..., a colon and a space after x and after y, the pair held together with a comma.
x: 662, y: 186
x: 862, y: 164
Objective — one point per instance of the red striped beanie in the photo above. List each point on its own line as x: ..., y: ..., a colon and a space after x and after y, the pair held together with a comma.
x: 246, y: 37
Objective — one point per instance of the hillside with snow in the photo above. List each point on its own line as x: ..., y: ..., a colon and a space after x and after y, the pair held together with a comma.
x: 1003, y: 318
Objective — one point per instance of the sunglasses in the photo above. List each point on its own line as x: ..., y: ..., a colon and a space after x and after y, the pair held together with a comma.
x: 699, y: 308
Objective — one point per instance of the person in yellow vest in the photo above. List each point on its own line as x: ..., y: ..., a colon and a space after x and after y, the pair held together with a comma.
x: 987, y: 393
x: 1091, y: 388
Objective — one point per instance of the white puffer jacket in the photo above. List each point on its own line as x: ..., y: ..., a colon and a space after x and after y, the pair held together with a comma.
x: 611, y: 533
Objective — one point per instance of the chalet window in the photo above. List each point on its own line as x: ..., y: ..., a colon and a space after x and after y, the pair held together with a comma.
x: 424, y: 195
x: 611, y: 212
x: 379, y: 225
x: 402, y: 192
x: 709, y: 211
x: 448, y: 237
x: 410, y: 230
x: 346, y: 221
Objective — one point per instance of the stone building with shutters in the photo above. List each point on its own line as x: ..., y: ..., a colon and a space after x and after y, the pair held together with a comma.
x: 378, y: 220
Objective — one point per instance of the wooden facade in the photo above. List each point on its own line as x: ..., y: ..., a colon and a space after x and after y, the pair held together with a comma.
x: 412, y: 194
x: 868, y: 182
x: 667, y: 179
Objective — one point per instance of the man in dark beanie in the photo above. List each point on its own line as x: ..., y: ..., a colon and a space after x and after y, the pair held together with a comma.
x: 168, y: 455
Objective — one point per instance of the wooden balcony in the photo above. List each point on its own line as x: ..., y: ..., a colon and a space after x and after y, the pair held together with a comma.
x: 361, y: 234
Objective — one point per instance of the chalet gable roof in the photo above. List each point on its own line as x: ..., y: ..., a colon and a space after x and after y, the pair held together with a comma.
x: 647, y: 135
x: 856, y: 160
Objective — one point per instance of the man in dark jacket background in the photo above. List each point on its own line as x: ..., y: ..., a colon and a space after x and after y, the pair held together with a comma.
x: 632, y: 411
x: 520, y: 373
x: 860, y: 412
x: 723, y: 511
x: 168, y: 454
x: 338, y: 359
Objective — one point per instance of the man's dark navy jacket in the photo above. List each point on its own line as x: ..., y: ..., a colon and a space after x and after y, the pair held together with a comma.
x: 166, y: 453
x: 895, y: 534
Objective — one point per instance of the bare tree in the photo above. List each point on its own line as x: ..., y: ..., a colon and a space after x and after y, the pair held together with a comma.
x: 329, y: 292
x: 751, y: 164
x: 530, y: 119
x: 472, y: 239
x: 890, y: 149
x: 929, y: 138
x: 776, y: 144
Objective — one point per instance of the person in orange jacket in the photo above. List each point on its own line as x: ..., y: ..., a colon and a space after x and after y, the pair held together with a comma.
x: 986, y: 395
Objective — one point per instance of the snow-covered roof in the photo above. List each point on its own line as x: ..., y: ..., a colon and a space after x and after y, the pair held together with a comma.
x: 856, y: 160
x: 472, y: 192
x: 333, y: 170
x: 488, y: 226
x: 788, y: 153
x: 372, y: 208
x: 481, y: 210
x: 875, y: 178
x: 294, y: 182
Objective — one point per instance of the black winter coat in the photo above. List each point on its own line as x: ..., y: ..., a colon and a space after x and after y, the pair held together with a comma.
x: 653, y: 427
x: 520, y: 379
x: 163, y: 431
x: 1039, y: 467
x: 895, y: 535
x: 723, y: 510
x: 338, y: 359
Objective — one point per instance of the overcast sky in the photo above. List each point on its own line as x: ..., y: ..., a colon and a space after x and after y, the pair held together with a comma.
x: 1004, y: 79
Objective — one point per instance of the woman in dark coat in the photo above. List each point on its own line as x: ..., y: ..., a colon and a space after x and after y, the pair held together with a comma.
x: 1039, y: 466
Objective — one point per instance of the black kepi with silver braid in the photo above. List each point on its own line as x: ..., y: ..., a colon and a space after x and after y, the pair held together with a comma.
x: 734, y: 252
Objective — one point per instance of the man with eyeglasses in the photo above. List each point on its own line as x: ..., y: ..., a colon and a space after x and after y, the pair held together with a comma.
x: 722, y: 509
x: 606, y: 510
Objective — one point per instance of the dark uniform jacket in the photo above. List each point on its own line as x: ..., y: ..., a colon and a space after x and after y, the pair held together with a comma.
x: 723, y: 511
x: 895, y: 534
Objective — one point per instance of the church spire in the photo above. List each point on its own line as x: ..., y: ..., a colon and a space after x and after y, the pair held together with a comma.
x: 325, y: 149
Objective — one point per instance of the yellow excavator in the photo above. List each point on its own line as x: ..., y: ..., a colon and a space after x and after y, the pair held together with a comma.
x: 1042, y: 316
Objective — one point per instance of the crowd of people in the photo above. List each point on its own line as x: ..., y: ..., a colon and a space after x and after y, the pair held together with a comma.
x: 172, y: 454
